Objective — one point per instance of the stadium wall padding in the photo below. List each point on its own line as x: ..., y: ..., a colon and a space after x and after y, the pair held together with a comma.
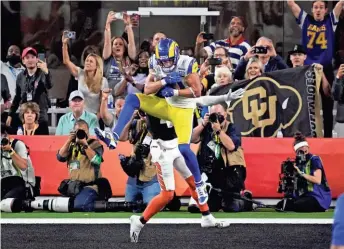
x: 263, y: 158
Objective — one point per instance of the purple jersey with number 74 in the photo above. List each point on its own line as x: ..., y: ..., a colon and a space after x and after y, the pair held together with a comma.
x: 318, y: 37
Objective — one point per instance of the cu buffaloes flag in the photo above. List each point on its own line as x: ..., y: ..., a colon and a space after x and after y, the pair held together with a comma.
x: 286, y: 100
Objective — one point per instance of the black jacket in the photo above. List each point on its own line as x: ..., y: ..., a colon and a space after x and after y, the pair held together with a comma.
x: 338, y: 90
x: 38, y: 84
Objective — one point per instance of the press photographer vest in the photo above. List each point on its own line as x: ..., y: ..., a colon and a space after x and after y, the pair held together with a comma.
x: 310, y: 185
x: 8, y: 168
x: 139, y: 133
x: 79, y: 165
x: 232, y: 158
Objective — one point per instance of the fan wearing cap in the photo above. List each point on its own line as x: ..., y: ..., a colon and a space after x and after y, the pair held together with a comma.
x: 298, y: 57
x: 77, y: 106
x: 313, y: 193
x: 32, y: 85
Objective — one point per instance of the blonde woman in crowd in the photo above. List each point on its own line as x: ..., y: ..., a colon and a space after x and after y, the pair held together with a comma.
x: 116, y: 52
x: 29, y: 115
x: 254, y: 68
x: 90, y: 79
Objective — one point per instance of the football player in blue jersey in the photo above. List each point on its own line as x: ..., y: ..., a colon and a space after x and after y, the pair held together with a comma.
x: 176, y: 84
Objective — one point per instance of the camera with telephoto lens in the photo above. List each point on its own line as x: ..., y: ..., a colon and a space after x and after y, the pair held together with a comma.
x: 81, y: 134
x: 58, y: 204
x: 289, y: 181
x: 106, y: 206
x: 214, y: 117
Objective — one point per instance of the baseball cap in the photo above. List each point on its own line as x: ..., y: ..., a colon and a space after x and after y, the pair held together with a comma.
x: 297, y: 49
x: 76, y: 94
x: 28, y: 50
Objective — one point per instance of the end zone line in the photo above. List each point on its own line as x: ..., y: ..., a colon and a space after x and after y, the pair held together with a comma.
x: 161, y: 221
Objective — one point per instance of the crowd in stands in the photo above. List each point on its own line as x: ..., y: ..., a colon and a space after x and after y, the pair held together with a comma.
x: 100, y: 82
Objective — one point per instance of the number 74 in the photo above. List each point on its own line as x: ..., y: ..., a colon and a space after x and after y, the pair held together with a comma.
x: 320, y: 40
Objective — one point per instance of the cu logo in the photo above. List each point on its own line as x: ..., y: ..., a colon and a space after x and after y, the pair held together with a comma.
x: 266, y: 107
x: 259, y: 108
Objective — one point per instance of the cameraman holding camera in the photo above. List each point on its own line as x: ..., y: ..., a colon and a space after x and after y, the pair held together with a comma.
x: 312, y: 193
x: 17, y: 174
x: 221, y: 157
x: 84, y: 157
x: 142, y: 184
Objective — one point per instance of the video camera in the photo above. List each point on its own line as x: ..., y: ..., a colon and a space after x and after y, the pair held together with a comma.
x: 288, y: 178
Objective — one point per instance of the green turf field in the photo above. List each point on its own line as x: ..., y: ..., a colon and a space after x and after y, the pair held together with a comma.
x: 261, y: 213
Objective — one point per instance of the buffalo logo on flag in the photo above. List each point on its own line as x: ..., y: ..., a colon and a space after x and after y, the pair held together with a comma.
x: 265, y: 108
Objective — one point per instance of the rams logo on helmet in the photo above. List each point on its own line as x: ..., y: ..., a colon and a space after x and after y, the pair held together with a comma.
x: 167, y: 50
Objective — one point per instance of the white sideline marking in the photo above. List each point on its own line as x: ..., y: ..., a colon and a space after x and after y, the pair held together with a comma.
x: 161, y: 221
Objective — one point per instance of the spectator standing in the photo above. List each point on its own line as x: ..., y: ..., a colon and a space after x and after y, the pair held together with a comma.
x: 298, y: 57
x: 236, y: 44
x: 110, y: 119
x: 73, y: 83
x: 318, y: 37
x: 338, y: 95
x: 32, y: 84
x: 12, y: 68
x: 117, y: 52
x: 90, y: 79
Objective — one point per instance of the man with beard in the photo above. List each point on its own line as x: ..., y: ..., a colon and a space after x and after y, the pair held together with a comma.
x: 235, y: 44
x: 32, y: 84
x: 10, y: 70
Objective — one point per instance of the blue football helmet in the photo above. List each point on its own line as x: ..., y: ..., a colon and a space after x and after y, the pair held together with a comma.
x: 167, y: 50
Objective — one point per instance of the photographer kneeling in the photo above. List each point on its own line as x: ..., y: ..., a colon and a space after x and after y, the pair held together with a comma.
x: 83, y: 157
x: 142, y: 185
x: 312, y: 193
x: 221, y: 157
x: 17, y: 174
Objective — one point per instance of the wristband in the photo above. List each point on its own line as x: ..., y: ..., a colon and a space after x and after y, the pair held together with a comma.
x: 163, y: 82
x: 175, y: 92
